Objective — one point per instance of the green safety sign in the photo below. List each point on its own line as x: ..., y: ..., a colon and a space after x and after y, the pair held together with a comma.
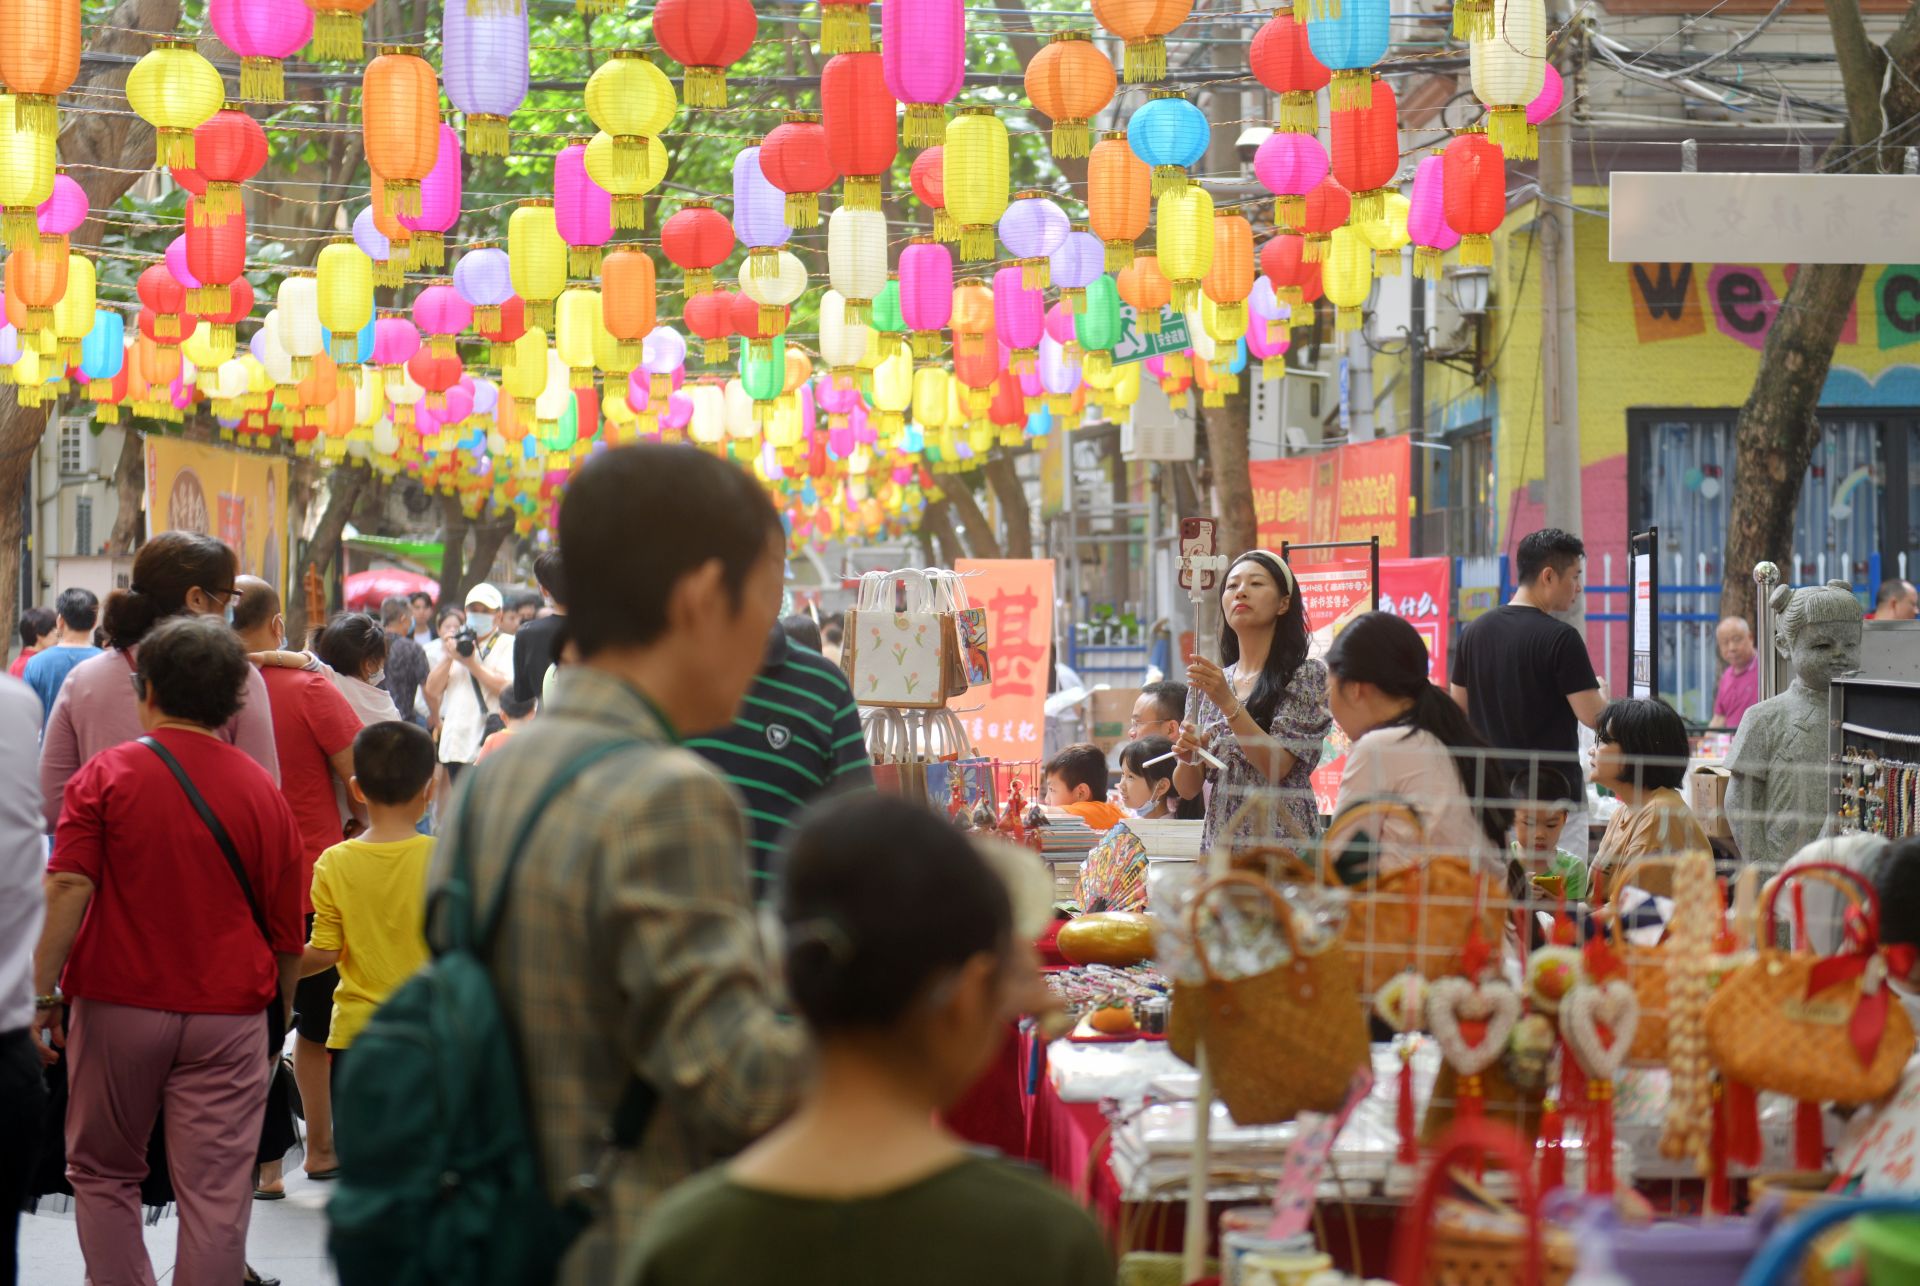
x: 1134, y: 346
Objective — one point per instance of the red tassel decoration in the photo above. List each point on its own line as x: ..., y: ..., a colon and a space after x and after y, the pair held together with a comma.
x: 1403, y: 1112
x: 1573, y: 1085
x: 1809, y: 1137
x: 1552, y: 1146
x: 1719, y: 1188
x: 1599, y: 1138
x: 1744, y: 1145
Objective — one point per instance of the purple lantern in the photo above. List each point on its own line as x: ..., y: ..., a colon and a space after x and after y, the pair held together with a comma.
x: 486, y: 396
x: 1290, y: 166
x: 582, y: 209
x: 759, y: 210
x: 65, y: 210
x: 373, y: 243
x: 1077, y: 264
x: 1264, y: 304
x: 440, y: 195
x: 1059, y: 375
x: 484, y: 278
x: 9, y: 345
x: 1019, y: 316
x: 483, y: 60
x: 1033, y: 227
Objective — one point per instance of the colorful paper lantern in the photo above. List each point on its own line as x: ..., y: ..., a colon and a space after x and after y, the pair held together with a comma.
x: 1474, y: 193
x: 1169, y: 133
x: 628, y: 299
x: 1509, y: 71
x: 441, y: 313
x: 338, y: 29
x: 774, y: 291
x: 1144, y: 25
x: 1282, y: 59
x: 795, y: 159
x: 263, y: 33
x: 1032, y: 228
x: 696, y: 239
x: 1185, y: 219
x: 1146, y: 290
x: 40, y: 48
x: 1071, y: 82
x: 1097, y: 326
x: 26, y: 175
x: 484, y: 278
x: 576, y: 321
x: 400, y: 119
x: 886, y: 317
x: 1295, y: 278
x: 1119, y: 197
x: 484, y: 56
x: 710, y: 317
x: 175, y: 90
x: 705, y: 37
x: 923, y: 49
x: 926, y: 293
x: 36, y: 277
x: 1351, y: 38
x: 1230, y: 280
x: 857, y: 258
x: 1427, y: 225
x: 843, y: 336
x: 1347, y: 276
x: 1290, y: 166
x: 758, y: 324
x: 975, y: 177
x: 927, y: 176
x: 216, y: 254
x: 539, y: 259
x: 229, y: 149
x: 857, y: 112
x: 1327, y: 207
x: 1019, y: 316
x: 1366, y: 150
x: 1387, y: 235
x: 633, y: 101
x: 1547, y: 101
x: 64, y: 210
x: 582, y: 210
x: 440, y: 196
x: 759, y: 212
x: 844, y: 27
x: 345, y: 296
x: 628, y: 188
x: 1077, y: 264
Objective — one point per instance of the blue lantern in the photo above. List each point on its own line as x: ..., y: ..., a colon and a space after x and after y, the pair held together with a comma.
x: 1348, y: 44
x: 1040, y: 422
x: 1169, y: 133
x: 103, y: 352
x: 365, y: 355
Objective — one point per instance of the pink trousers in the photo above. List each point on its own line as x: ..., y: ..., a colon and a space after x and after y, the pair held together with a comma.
x: 210, y: 1072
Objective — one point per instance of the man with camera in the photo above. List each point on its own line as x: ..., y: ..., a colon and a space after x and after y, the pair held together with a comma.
x: 475, y: 668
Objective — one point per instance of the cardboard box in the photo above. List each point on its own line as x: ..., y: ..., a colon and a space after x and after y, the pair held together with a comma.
x: 1112, y: 712
x: 1707, y: 796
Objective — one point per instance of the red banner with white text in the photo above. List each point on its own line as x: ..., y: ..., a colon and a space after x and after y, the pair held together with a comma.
x: 1354, y: 492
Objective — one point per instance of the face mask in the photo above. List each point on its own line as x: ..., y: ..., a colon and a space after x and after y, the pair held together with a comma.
x: 377, y: 678
x: 229, y: 613
x: 480, y: 623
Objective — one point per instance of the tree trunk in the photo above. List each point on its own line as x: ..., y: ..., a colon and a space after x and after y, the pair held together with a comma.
x: 129, y: 481
x: 1227, y: 457
x: 1007, y: 488
x: 979, y: 532
x: 488, y: 537
x: 344, y: 485
x: 938, y: 522
x: 122, y: 144
x: 453, y: 552
x: 1779, y: 425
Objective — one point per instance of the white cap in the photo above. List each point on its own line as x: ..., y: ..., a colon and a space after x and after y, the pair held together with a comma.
x: 485, y: 595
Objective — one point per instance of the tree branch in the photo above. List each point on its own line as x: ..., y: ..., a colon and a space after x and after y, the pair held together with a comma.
x: 1012, y: 495
x: 980, y: 538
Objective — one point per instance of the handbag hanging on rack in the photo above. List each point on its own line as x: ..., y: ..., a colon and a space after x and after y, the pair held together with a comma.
x: 900, y: 654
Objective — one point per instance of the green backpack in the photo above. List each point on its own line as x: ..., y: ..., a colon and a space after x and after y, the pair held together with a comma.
x: 440, y: 1173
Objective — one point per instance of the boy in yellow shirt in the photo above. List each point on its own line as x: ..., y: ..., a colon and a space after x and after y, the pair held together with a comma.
x: 369, y: 893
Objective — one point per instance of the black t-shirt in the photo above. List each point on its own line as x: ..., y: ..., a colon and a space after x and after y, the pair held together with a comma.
x: 533, y: 655
x: 1518, y: 666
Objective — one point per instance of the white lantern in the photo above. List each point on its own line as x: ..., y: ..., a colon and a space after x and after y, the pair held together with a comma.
x: 857, y: 257
x: 552, y: 403
x: 739, y: 411
x: 709, y: 423
x: 843, y: 340
x: 369, y: 403
x: 299, y: 301
x: 1509, y: 70
x: 273, y: 355
x: 776, y: 289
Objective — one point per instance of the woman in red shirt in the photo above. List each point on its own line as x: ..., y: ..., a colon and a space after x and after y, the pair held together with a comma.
x: 170, y: 953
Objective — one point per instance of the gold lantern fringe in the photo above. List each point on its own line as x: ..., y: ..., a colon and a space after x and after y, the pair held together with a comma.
x: 1369, y: 206
x: 772, y: 317
x: 1186, y: 295
x: 1213, y: 398
x: 107, y: 412
x: 1072, y: 138
x: 1097, y: 363
x: 173, y: 147
x: 763, y: 261
x: 393, y: 378
x: 1318, y: 9
x: 436, y: 400
x: 844, y: 29
x: 539, y: 313
x: 1314, y: 250
x: 1507, y: 129
x: 1476, y: 250
x: 99, y: 390
x: 204, y: 299
x: 345, y: 348
x: 976, y: 242
x: 40, y: 320
x: 500, y: 355
x: 945, y: 227
x: 1119, y: 256
x: 858, y: 312
x: 492, y: 8
x: 1022, y: 360
x: 37, y: 114
x: 715, y: 351
x: 429, y: 249
x: 926, y: 344
x: 488, y: 135
x: 705, y: 86
x: 977, y: 400
x: 401, y: 196
x: 1299, y: 113
x: 1292, y: 296
x: 861, y: 192
x: 1146, y: 60
x: 629, y: 158
x: 1036, y: 274
x: 1288, y: 211
x: 337, y: 37
x: 217, y: 204
x: 1351, y: 90
x: 262, y: 80
x: 1346, y: 318
x: 1147, y: 322
x: 629, y: 210
x: 391, y: 273
x: 1386, y: 263
x: 302, y: 367
x: 597, y: 6
x: 1076, y: 297
x: 223, y: 334
x: 1231, y: 318
x: 763, y: 411
x: 1060, y: 403
x: 1168, y: 178
x: 486, y: 317
x: 583, y: 261
x: 696, y: 281
x: 926, y: 126
x: 1274, y: 368
x: 444, y: 346
x: 1473, y: 19
x: 803, y: 209
x: 22, y: 227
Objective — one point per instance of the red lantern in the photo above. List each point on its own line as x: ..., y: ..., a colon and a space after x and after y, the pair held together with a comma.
x: 216, y: 254
x: 705, y: 37
x: 1366, y: 151
x: 710, y: 318
x: 1324, y: 209
x: 929, y: 178
x: 860, y: 115
x: 1474, y: 186
x: 696, y: 239
x: 511, y: 326
x: 1295, y: 278
x: 747, y: 318
x: 166, y: 299
x: 239, y: 305
x: 1283, y: 61
x: 795, y: 159
x: 434, y: 374
x: 228, y: 149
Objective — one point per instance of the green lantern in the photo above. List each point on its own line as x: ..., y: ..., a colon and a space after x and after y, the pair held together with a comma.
x: 1097, y: 326
x: 566, y: 430
x: 765, y: 378
x: 885, y: 313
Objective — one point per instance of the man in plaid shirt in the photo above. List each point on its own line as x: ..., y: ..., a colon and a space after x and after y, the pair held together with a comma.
x: 628, y: 946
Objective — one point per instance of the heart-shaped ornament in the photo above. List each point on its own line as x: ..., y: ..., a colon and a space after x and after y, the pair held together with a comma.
x: 1451, y: 1001
x: 1585, y: 1011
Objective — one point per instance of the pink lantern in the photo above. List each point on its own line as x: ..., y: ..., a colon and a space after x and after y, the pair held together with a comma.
x: 1547, y: 102
x: 440, y: 195
x: 1019, y: 316
x: 582, y: 209
x: 262, y: 32
x: 395, y: 341
x: 441, y: 314
x: 177, y: 263
x: 679, y: 412
x: 65, y: 210
x: 459, y: 401
x: 1060, y: 323
x: 1268, y: 342
x: 1427, y: 226
x: 639, y: 391
x: 926, y: 293
x: 923, y: 57
x: 1290, y: 166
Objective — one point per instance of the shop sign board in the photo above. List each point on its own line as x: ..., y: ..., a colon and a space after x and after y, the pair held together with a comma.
x: 1006, y: 718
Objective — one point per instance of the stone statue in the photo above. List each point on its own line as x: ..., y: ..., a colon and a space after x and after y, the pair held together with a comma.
x: 1777, y: 800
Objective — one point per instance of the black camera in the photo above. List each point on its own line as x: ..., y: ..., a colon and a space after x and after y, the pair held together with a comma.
x: 464, y: 640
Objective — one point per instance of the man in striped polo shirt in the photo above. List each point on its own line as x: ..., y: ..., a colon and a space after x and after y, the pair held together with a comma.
x: 797, y: 738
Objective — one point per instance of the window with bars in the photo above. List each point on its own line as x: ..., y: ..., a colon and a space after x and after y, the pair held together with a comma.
x: 83, y: 525
x: 76, y: 448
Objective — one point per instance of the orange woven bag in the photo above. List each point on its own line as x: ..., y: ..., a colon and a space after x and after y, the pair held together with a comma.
x: 1647, y: 971
x: 1823, y: 1029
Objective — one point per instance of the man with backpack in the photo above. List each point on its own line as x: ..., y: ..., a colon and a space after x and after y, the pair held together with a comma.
x: 598, y: 1022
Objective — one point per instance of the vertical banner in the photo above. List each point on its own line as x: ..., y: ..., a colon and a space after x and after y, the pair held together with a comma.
x: 1017, y: 595
x: 1282, y: 500
x: 238, y: 497
x: 1353, y: 492
x: 1644, y: 612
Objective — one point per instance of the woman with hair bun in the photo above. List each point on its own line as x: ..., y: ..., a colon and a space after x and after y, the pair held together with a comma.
x: 177, y: 573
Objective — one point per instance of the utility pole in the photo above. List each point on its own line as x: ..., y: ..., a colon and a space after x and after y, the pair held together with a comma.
x: 1559, y: 334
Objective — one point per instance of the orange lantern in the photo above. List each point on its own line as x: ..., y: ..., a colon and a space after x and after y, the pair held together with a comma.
x: 36, y: 279
x: 1230, y: 280
x: 1144, y: 25
x: 39, y: 57
x: 972, y: 316
x: 627, y: 299
x: 1119, y: 197
x: 1071, y: 81
x: 1144, y: 286
x: 400, y: 107
x: 337, y: 29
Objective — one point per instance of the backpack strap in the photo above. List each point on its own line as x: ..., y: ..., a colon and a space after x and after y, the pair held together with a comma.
x: 220, y: 836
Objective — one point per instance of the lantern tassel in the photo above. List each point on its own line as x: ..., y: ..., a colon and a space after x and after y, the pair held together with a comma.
x: 389, y: 272
x: 219, y: 203
x: 1119, y: 256
x: 803, y: 209
x: 344, y: 349
x: 716, y: 351
x: 1213, y: 398
x: 1034, y: 274
x: 1314, y: 250
x: 1473, y: 20
x: 1346, y: 318
x: 1299, y: 113
x: 337, y: 37
x: 583, y: 261
x: 976, y: 242
x: 500, y: 355
x: 1508, y: 130
x: 444, y: 346
x: 926, y: 344
x: 1476, y: 250
x: 1289, y: 212
x: 429, y: 249
x: 760, y: 349
x: 945, y: 227
x: 400, y: 196
x: 861, y: 192
x: 1146, y: 60
x: 1147, y: 321
x: 1186, y: 295
x: 1369, y: 206
x: 488, y: 136
x: 858, y: 311
x: 107, y: 413
x: 926, y: 126
x: 1351, y: 90
x: 763, y: 262
x: 1097, y: 364
x: 696, y: 281
x: 1072, y: 138
x: 1274, y: 368
x: 209, y: 299
x: 1231, y: 317
x: 597, y: 6
x: 629, y: 211
x: 22, y: 226
x: 262, y: 80
x: 539, y: 313
x: 486, y: 317
x: 772, y: 317
x: 223, y: 334
x: 844, y: 28
x: 705, y: 87
x: 37, y: 114
x: 1426, y: 261
x: 1076, y: 297
x: 173, y: 147
x: 1386, y: 263
x: 1168, y: 178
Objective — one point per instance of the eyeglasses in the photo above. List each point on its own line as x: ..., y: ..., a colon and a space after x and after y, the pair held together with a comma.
x: 226, y: 593
x: 139, y: 687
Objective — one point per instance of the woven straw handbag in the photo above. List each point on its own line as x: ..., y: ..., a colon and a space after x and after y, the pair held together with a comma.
x: 1647, y: 970
x: 1281, y: 1042
x: 1455, y: 1244
x: 1823, y: 1029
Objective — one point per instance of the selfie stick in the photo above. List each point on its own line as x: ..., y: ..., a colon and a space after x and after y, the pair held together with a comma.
x: 1197, y: 568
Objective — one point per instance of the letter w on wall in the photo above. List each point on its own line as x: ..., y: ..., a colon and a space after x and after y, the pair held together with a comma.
x: 1666, y: 302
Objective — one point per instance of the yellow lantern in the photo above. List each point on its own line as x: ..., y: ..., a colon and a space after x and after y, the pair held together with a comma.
x: 1387, y: 235
x: 576, y: 323
x: 893, y: 384
x: 73, y: 315
x: 345, y: 292
x: 26, y: 174
x: 204, y: 349
x: 1347, y: 276
x: 976, y: 177
x: 176, y: 91
x: 553, y: 400
x: 932, y: 402
x: 629, y: 191
x: 537, y: 258
x: 1186, y: 241
x: 524, y: 379
x: 632, y: 100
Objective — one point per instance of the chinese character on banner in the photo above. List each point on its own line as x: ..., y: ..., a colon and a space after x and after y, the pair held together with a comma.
x: 1017, y: 594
